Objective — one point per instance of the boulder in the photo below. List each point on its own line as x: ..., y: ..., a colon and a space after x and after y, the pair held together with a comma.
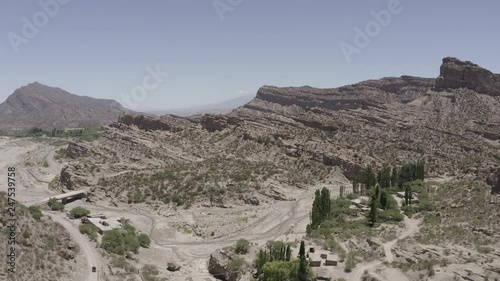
x: 251, y: 201
x: 172, y: 266
x: 218, y: 266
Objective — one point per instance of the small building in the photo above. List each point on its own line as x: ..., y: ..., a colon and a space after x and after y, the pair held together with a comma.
x: 332, y: 260
x: 104, y: 225
x: 314, y: 261
x: 330, y: 263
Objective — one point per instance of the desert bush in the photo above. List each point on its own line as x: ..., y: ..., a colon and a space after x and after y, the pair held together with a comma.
x: 144, y: 240
x: 79, y: 212
x: 242, y: 246
x: 89, y: 230
x: 35, y: 212
x: 55, y: 205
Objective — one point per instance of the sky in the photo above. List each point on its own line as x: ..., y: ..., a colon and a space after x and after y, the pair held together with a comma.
x: 179, y: 53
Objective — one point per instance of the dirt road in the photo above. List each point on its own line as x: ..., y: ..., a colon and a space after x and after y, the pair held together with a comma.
x: 411, y: 227
x: 87, y: 248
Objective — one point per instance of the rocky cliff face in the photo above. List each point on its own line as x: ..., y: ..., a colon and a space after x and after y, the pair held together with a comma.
x: 302, y: 137
x: 459, y: 74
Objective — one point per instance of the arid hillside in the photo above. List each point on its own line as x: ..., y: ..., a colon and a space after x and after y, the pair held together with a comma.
x: 44, y: 250
x: 38, y: 105
x: 299, y: 137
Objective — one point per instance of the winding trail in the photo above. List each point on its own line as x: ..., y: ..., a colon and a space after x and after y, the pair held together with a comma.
x: 411, y: 227
x: 87, y: 249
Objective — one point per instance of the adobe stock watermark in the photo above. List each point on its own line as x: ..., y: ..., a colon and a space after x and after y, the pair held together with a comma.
x: 372, y: 29
x: 150, y: 82
x: 40, y: 19
x: 223, y: 6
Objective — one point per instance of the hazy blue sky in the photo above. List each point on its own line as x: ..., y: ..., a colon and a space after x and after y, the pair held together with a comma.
x: 102, y: 48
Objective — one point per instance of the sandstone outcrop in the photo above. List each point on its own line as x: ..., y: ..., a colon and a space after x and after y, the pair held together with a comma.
x: 214, y: 123
x: 459, y: 74
x: 148, y: 123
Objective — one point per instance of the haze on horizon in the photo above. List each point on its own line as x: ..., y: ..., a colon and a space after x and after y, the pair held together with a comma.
x: 218, y: 50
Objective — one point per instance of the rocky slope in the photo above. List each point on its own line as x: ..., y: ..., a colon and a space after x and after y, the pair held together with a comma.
x: 300, y: 137
x: 37, y: 105
x: 44, y: 250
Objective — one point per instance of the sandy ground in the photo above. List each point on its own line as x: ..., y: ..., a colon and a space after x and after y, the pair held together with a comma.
x: 186, y: 237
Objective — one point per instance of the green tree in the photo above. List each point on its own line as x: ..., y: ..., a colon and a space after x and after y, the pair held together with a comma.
x: 395, y: 177
x: 302, y: 249
x: 384, y: 177
x: 369, y: 177
x: 321, y: 208
x: 303, y: 269
x: 113, y: 241
x: 374, y: 207
x: 262, y: 259
x: 384, y: 200
x: 288, y: 255
x: 280, y: 271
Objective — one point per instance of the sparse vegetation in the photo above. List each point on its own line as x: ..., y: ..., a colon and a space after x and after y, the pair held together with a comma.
x: 54, y: 183
x: 79, y: 212
x: 144, y: 240
x: 242, y: 246
x: 55, y: 205
x: 36, y: 212
x: 90, y: 230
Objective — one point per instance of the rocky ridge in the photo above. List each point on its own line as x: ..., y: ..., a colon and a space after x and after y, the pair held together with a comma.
x: 297, y: 137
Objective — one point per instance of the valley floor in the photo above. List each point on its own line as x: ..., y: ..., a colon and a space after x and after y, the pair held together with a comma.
x: 188, y: 236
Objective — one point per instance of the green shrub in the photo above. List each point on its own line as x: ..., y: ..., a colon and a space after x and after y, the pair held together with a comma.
x: 235, y: 265
x: 408, y: 210
x: 144, y: 240
x: 35, y: 212
x: 79, y: 212
x: 177, y: 199
x: 54, y: 183
x: 55, y: 205
x: 51, y: 242
x: 392, y: 215
x: 90, y: 230
x: 242, y: 246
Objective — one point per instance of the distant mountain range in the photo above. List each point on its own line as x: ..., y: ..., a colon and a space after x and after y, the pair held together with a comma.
x: 214, y: 108
x: 38, y: 105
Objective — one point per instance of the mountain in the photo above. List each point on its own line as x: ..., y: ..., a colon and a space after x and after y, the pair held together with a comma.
x: 38, y: 105
x: 302, y: 137
x: 214, y: 108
